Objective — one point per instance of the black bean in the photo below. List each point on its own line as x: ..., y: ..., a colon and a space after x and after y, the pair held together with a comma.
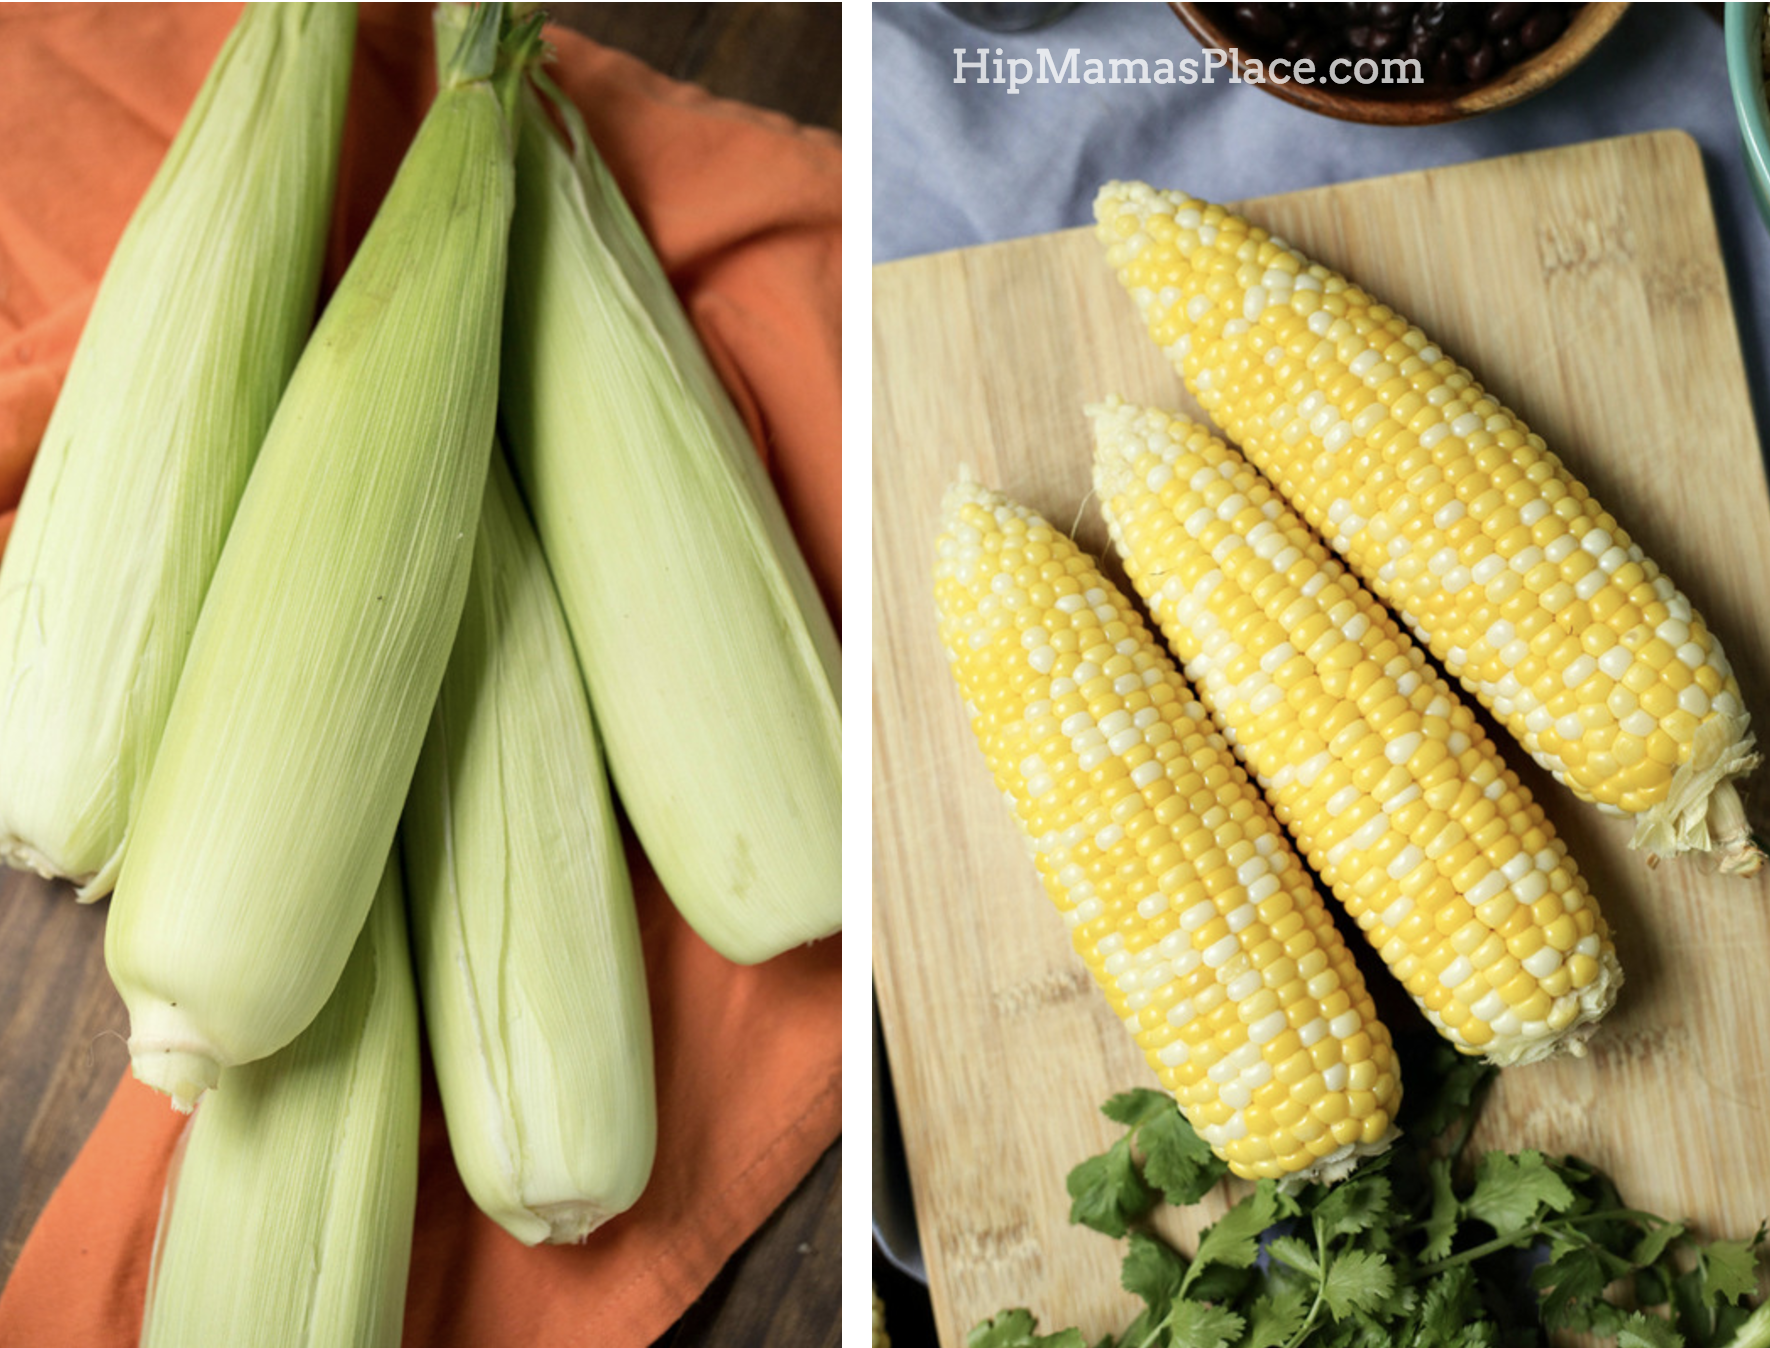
x: 1465, y: 42
x: 1510, y: 49
x: 1480, y: 65
x: 1421, y: 47
x: 1543, y: 29
x: 1384, y: 41
x: 1359, y: 38
x: 1260, y: 21
x: 1451, y: 18
x: 1504, y: 18
x: 1447, y: 68
x: 1390, y: 16
x: 1320, y: 48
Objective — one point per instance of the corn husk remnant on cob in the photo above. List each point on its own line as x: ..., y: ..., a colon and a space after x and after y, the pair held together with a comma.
x: 320, y: 649
x: 287, y: 1220
x: 1180, y: 890
x: 711, y: 662
x: 197, y: 324
x: 1448, y: 506
x: 1390, y: 786
x: 524, y: 933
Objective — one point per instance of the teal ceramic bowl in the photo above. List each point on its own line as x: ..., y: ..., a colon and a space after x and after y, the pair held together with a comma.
x: 1745, y: 75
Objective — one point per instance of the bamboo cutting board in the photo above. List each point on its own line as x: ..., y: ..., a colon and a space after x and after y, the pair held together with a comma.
x: 1585, y: 287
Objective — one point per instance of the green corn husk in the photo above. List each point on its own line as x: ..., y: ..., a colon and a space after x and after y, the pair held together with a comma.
x: 199, y: 320
x: 524, y: 934
x: 318, y: 655
x: 712, y: 664
x: 287, y: 1221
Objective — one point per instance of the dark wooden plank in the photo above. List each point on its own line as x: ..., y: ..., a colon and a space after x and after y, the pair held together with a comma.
x: 785, y: 1285
x: 787, y: 57
x: 62, y: 1032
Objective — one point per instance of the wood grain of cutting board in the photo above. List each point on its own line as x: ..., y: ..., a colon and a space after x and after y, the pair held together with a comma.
x: 1585, y: 287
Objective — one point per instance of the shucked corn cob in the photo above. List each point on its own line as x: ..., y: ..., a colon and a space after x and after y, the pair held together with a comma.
x: 523, y: 929
x: 287, y: 1221
x: 712, y: 665
x: 1389, y: 784
x: 201, y: 314
x: 1179, y: 889
x: 1455, y: 513
x: 320, y: 649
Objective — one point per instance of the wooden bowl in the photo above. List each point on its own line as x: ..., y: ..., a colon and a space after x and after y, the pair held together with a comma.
x: 1528, y: 77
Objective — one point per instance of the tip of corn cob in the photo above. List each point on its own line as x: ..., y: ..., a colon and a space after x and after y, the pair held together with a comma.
x: 176, y: 1072
x: 1337, y: 1165
x: 1586, y: 1008
x: 1702, y: 811
x: 571, y: 1223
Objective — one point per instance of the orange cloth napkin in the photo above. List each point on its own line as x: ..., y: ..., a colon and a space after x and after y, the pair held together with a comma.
x: 744, y: 209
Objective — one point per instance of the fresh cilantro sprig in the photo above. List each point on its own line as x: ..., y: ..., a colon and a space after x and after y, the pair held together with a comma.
x: 1421, y: 1248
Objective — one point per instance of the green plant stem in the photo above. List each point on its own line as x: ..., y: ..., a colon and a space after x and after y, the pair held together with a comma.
x: 1755, y: 1332
x: 1320, y: 1290
x: 1535, y: 1230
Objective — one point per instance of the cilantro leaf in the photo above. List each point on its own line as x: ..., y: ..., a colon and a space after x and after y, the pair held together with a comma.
x: 1106, y: 1192
x: 1452, y: 1089
x: 1352, y: 1207
x: 1647, y: 1331
x: 1135, y: 1108
x: 1192, y: 1324
x: 1152, y: 1270
x: 1235, y: 1239
x: 1273, y: 1321
x: 1357, y: 1280
x: 1445, y: 1308
x: 1015, y: 1329
x: 1441, y: 1222
x: 1654, y: 1243
x: 1293, y: 1253
x: 1572, y: 1281
x: 1176, y: 1159
x: 1511, y: 1190
x: 1729, y: 1268
x: 1223, y: 1285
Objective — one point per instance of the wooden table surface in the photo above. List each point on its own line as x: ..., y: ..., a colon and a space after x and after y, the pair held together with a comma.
x: 62, y: 1026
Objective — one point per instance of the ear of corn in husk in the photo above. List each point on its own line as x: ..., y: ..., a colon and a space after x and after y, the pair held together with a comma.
x: 287, y: 1219
x: 524, y: 934
x: 196, y: 326
x: 711, y: 662
x: 322, y: 644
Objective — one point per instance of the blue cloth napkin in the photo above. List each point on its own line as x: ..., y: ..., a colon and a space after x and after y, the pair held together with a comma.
x: 957, y: 164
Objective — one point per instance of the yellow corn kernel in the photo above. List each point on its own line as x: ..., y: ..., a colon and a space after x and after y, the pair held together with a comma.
x: 1440, y: 916
x: 1220, y: 1031
x: 1505, y: 607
